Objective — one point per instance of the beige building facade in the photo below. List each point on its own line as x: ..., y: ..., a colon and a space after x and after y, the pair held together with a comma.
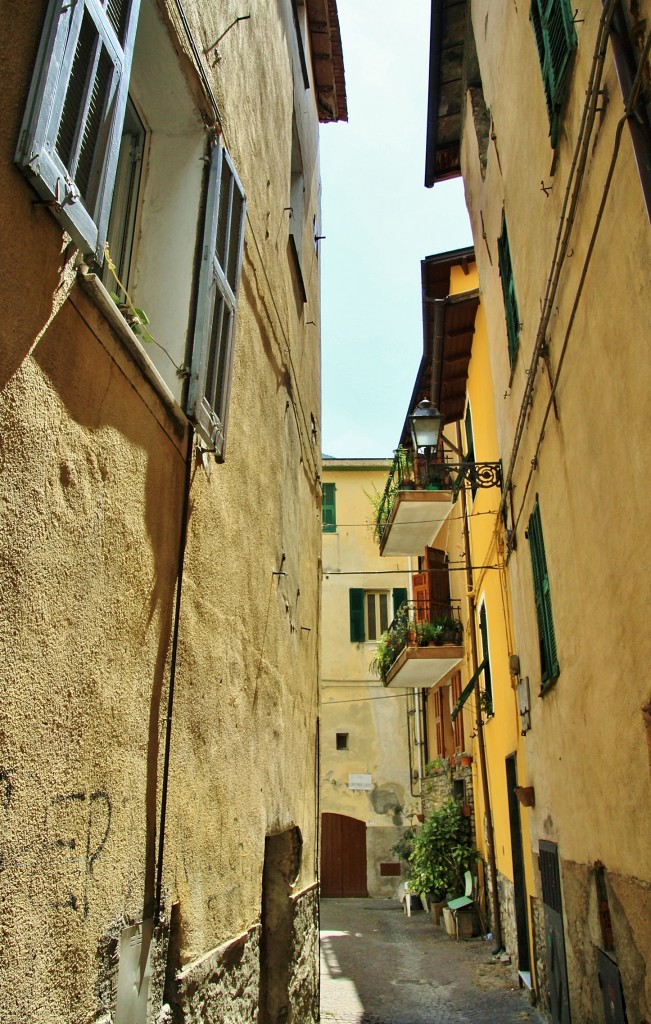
x: 160, y: 424
x: 545, y: 115
x: 368, y: 785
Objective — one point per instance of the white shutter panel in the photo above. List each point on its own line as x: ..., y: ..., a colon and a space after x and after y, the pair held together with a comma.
x: 70, y: 137
x: 219, y: 276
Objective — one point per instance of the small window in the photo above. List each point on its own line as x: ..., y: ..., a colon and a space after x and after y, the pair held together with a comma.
x: 546, y: 635
x: 553, y: 27
x: 488, y: 682
x: 508, y: 290
x: 297, y: 209
x: 328, y: 509
x: 370, y: 612
x: 124, y: 207
x: 342, y: 741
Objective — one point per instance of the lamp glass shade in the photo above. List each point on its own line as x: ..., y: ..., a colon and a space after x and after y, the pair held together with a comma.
x: 426, y: 423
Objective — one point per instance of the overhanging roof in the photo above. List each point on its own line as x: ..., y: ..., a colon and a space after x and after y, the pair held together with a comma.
x: 445, y: 96
x: 328, y: 60
x: 448, y: 330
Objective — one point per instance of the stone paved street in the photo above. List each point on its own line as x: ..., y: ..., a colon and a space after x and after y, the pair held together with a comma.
x: 380, y: 967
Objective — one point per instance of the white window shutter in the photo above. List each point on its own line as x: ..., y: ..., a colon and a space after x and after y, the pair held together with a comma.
x: 70, y: 137
x: 219, y: 276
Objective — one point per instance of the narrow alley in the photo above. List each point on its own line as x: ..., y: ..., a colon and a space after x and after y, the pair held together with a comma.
x: 380, y: 967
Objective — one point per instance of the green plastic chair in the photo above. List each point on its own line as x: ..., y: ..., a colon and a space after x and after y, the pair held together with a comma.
x: 462, y: 902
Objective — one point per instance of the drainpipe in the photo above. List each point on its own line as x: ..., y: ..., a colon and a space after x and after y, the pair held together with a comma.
x: 173, y: 659
x: 479, y: 724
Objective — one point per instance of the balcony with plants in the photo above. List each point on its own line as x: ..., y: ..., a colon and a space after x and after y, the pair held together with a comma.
x: 417, y: 650
x: 415, y: 503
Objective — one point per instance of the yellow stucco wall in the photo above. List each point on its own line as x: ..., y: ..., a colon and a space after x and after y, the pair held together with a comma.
x: 587, y: 752
x: 353, y: 700
x: 93, y: 470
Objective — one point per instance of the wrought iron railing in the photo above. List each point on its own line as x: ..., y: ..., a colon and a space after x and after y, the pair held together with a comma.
x: 443, y: 627
x: 431, y: 473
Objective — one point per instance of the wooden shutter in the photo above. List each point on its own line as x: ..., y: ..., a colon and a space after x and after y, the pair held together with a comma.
x: 438, y: 722
x: 356, y: 603
x: 70, y: 137
x: 420, y: 583
x: 214, y: 334
x: 488, y: 683
x: 328, y: 509
x: 459, y: 739
x: 399, y: 598
x: 553, y: 26
x: 508, y: 291
x: 542, y: 594
x: 439, y: 582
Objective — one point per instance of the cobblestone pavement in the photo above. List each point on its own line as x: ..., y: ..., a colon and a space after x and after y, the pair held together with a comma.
x: 380, y: 967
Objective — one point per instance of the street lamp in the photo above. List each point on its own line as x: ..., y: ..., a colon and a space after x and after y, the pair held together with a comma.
x: 426, y: 423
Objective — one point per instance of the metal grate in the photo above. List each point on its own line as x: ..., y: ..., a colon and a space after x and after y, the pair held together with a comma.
x: 550, y: 875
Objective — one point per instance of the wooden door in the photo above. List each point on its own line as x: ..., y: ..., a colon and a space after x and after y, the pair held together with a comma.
x: 343, y: 856
x: 439, y: 582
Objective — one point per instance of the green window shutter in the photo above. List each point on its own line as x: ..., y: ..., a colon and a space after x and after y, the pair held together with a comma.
x: 328, y: 509
x: 399, y: 598
x: 470, y: 444
x: 553, y: 26
x: 356, y: 598
x: 488, y: 682
x: 219, y: 276
x: 508, y: 291
x: 70, y: 137
x: 546, y: 634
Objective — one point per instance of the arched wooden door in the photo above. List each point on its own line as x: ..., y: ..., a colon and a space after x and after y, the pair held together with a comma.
x: 343, y: 856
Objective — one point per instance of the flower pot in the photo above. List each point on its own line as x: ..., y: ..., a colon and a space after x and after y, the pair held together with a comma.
x: 466, y: 760
x: 437, y: 911
x: 526, y: 795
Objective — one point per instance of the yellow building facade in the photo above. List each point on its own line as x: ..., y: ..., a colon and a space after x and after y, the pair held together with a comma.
x: 368, y: 792
x: 546, y: 116
x: 161, y: 509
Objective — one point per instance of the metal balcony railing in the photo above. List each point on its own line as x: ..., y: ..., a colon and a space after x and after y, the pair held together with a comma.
x: 409, y: 629
x: 431, y: 473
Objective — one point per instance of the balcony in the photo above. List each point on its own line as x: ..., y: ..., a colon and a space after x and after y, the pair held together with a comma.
x: 419, y: 495
x: 419, y: 653
x: 416, y: 502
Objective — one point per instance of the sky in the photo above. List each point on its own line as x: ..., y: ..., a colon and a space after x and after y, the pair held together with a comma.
x: 379, y: 222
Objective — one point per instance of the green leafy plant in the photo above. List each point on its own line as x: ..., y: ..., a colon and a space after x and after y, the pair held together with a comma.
x: 404, y: 848
x: 435, y: 766
x: 442, y: 852
x: 391, y: 643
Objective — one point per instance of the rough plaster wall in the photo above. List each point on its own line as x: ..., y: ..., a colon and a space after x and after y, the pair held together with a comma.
x: 92, y: 485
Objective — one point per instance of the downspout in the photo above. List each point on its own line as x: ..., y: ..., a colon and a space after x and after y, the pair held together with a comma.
x: 479, y: 724
x: 418, y: 741
x: 173, y: 659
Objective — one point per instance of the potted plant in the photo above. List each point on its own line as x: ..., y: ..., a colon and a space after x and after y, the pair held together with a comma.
x: 442, y: 852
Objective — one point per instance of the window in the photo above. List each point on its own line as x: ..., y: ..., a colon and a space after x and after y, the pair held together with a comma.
x: 328, y: 509
x: 106, y: 102
x: 508, y: 290
x: 546, y: 636
x: 553, y: 27
x: 297, y: 209
x: 457, y: 725
x: 488, y: 682
x: 369, y: 612
x: 342, y: 740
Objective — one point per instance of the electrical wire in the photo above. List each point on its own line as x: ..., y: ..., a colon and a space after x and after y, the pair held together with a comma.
x: 450, y: 567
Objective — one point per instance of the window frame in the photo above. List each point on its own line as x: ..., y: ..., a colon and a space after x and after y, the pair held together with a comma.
x: 508, y: 292
x: 37, y: 155
x: 549, y: 665
x: 552, y: 22
x: 379, y: 619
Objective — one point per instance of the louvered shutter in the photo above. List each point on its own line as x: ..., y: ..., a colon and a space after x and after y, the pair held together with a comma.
x: 553, y: 26
x: 328, y: 509
x: 459, y: 740
x: 438, y: 578
x: 356, y: 602
x: 488, y: 683
x: 219, y: 276
x: 399, y: 598
x: 420, y: 583
x: 70, y: 137
x: 546, y: 632
x: 508, y: 291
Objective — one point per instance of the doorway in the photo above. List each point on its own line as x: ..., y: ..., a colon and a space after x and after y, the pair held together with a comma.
x: 519, y: 886
x: 343, y: 856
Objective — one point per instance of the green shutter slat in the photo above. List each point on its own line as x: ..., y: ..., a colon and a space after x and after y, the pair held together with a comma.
x: 508, y: 292
x: 356, y: 599
x: 399, y: 598
x: 553, y: 26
